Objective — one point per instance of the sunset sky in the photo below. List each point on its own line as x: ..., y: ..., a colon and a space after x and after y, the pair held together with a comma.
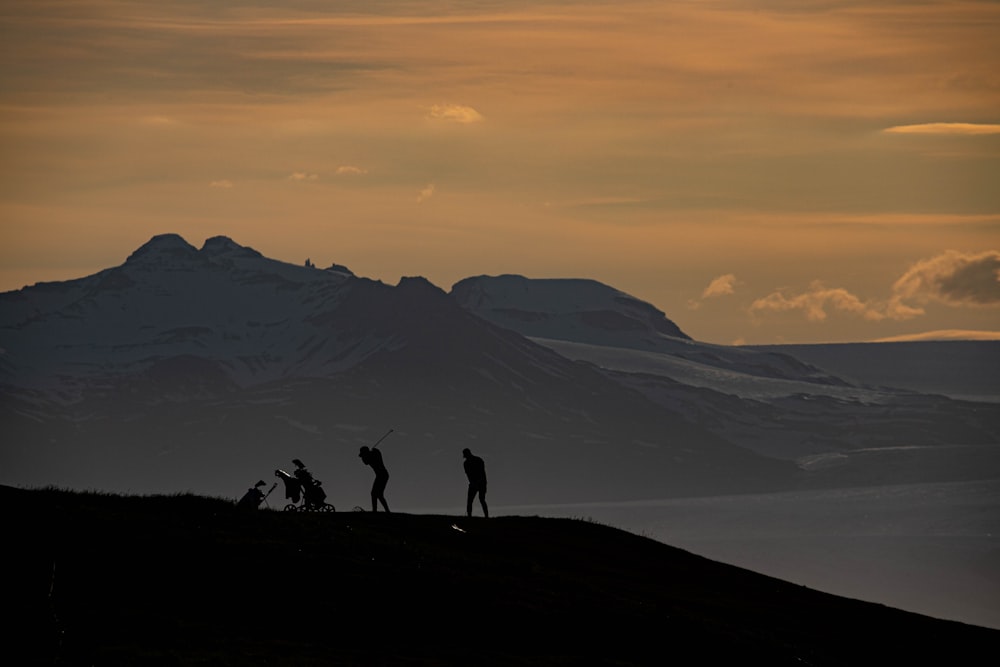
x: 763, y: 171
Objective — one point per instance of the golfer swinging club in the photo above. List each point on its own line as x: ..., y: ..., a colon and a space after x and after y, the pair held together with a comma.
x: 373, y: 457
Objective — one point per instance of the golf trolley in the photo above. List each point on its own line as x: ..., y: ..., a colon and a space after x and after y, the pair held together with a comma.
x: 312, y: 495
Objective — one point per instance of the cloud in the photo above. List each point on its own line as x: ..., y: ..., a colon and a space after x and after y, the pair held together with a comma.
x: 817, y: 301
x: 158, y: 121
x: 944, y: 128
x: 454, y: 113
x: 952, y: 278
x: 225, y: 183
x: 942, y: 334
x: 721, y: 286
x: 426, y: 193
x: 302, y: 176
x: 350, y: 170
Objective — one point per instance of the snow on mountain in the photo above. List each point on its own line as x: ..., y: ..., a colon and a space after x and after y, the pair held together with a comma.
x: 212, y: 366
x: 591, y: 313
x: 202, y: 370
x: 256, y: 318
x: 567, y: 309
x: 960, y: 369
x: 772, y: 400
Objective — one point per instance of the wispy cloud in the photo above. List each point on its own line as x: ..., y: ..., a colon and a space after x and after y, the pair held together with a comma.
x: 350, y: 170
x: 302, y: 176
x: 426, y: 193
x: 225, y: 184
x: 944, y: 128
x: 454, y: 113
x: 942, y: 334
x: 157, y: 121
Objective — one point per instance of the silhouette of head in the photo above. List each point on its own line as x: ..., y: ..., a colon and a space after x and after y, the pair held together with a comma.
x: 363, y: 451
x: 466, y: 453
x: 298, y: 463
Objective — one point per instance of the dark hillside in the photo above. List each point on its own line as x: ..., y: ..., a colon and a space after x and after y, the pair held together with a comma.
x: 188, y: 580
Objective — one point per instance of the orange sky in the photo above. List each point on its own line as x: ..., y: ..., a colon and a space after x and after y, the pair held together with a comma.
x: 774, y: 171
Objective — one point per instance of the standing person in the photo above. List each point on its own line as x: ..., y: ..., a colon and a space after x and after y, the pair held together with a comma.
x: 475, y: 470
x: 373, y: 458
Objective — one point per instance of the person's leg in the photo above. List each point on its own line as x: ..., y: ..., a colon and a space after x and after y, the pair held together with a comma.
x: 379, y: 492
x: 468, y: 502
x: 482, y: 501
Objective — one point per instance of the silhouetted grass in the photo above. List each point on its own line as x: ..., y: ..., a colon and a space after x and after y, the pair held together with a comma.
x: 108, y: 579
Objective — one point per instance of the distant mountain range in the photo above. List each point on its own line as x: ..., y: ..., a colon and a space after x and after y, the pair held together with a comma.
x: 204, y: 369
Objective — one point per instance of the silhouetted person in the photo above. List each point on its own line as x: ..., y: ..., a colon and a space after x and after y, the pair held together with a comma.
x: 373, y: 458
x: 475, y: 470
x: 252, y: 499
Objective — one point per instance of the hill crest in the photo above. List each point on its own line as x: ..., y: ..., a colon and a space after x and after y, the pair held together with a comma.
x: 118, y: 580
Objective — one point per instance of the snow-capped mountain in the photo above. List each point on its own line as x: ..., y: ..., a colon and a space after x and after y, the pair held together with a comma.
x: 765, y: 398
x: 589, y: 313
x: 204, y: 369
x: 207, y: 367
x: 569, y: 309
x: 224, y: 304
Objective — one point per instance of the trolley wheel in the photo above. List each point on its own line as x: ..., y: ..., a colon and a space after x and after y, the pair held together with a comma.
x: 290, y: 507
x: 327, y: 507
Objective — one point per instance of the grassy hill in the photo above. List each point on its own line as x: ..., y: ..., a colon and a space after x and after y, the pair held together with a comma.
x: 99, y: 579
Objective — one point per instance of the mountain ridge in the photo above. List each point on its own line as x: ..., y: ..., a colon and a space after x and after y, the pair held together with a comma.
x: 208, y: 367
x: 203, y: 368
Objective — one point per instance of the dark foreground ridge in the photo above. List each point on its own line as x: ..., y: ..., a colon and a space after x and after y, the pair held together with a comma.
x: 188, y: 580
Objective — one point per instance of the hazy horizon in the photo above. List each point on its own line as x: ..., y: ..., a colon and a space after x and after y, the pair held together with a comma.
x: 767, y: 173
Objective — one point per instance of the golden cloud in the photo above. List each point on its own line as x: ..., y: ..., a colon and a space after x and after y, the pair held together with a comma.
x: 952, y: 278
x: 425, y: 193
x: 944, y: 128
x: 942, y: 334
x: 721, y: 286
x: 817, y: 300
x: 455, y: 113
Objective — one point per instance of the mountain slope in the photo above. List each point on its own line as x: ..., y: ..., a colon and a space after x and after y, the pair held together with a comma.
x: 591, y: 313
x: 205, y: 369
x: 188, y: 580
x: 961, y: 369
x: 256, y: 318
x: 832, y: 413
